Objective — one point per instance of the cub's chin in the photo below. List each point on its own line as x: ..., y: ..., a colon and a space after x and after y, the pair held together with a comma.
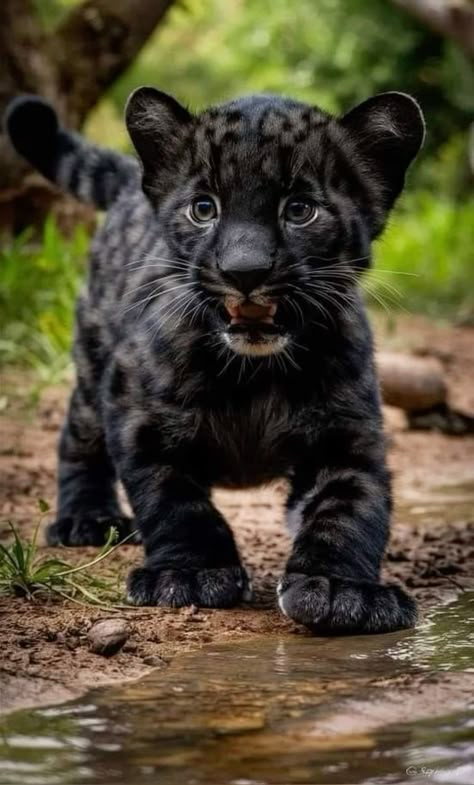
x: 256, y: 340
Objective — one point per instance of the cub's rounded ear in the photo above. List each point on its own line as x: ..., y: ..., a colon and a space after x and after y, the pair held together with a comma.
x: 156, y: 123
x: 388, y: 131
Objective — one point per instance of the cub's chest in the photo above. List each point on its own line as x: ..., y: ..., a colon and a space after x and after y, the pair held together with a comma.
x: 249, y: 440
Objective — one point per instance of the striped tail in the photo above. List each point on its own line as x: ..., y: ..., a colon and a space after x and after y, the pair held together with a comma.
x: 92, y: 174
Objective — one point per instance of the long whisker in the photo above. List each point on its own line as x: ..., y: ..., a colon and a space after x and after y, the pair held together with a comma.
x: 233, y: 356
x: 335, y: 259
x: 286, y: 353
x: 186, y: 310
x: 388, y: 298
x: 340, y: 275
x: 176, y: 276
x: 156, y: 292
x: 241, y: 369
x: 181, y: 301
x: 296, y: 307
x: 200, y: 308
x: 331, y: 297
x: 175, y: 304
x: 325, y: 313
x: 151, y: 296
x: 339, y: 306
x: 150, y: 257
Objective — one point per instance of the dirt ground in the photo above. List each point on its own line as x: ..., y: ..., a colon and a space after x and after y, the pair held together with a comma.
x: 45, y: 657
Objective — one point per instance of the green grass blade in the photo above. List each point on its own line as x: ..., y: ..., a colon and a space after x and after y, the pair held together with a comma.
x: 104, y: 553
x: 18, y: 550
x: 5, y: 554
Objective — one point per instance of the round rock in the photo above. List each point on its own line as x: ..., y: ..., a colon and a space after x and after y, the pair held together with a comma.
x: 107, y: 637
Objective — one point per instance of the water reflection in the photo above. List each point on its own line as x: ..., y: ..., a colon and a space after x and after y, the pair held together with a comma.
x: 248, y: 712
x: 444, y: 640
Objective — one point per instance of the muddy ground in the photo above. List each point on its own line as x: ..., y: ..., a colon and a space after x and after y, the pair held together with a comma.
x: 45, y: 657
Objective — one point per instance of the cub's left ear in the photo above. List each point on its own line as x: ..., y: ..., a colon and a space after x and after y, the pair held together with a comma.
x: 388, y: 131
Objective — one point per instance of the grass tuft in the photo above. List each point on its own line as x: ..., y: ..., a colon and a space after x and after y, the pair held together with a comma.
x: 39, y: 282
x: 26, y: 573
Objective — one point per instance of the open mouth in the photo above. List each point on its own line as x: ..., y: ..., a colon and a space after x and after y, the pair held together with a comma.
x: 252, y: 328
x: 251, y: 317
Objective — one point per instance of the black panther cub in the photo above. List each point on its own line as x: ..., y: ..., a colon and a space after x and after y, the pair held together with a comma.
x: 222, y: 340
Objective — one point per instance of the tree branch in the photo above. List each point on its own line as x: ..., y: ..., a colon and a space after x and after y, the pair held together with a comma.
x: 24, y: 63
x: 25, y: 69
x: 451, y: 18
x: 95, y: 44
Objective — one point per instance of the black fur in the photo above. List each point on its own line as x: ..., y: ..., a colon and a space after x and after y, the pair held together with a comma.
x: 181, y: 387
x: 90, y: 173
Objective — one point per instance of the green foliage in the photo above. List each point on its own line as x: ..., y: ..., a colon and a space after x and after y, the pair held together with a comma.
x: 38, y: 286
x: 51, y: 13
x: 429, y: 243
x: 24, y: 571
x: 330, y: 52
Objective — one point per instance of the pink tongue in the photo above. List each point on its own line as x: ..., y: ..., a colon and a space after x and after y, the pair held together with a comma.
x: 251, y: 312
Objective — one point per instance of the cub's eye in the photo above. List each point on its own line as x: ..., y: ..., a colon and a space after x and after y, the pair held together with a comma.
x: 300, y: 212
x: 203, y: 210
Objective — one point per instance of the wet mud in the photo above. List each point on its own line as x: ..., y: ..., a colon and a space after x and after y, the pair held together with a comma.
x: 288, y: 709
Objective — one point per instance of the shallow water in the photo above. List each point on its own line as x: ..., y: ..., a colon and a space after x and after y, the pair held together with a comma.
x: 250, y: 713
x: 440, y: 504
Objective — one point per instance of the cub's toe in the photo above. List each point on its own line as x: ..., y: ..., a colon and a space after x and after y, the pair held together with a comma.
x: 221, y: 587
x: 336, y: 606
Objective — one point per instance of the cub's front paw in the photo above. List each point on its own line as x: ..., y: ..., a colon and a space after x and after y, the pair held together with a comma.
x: 90, y: 529
x: 223, y: 587
x: 337, y: 606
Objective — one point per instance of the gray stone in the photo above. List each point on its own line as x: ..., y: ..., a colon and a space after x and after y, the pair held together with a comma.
x: 107, y: 637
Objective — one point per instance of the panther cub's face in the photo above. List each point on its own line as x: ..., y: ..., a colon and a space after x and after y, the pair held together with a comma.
x: 268, y: 206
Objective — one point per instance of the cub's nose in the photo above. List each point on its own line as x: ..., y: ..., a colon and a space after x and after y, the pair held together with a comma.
x: 246, y: 280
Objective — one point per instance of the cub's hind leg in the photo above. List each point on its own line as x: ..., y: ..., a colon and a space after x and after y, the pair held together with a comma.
x: 87, y: 496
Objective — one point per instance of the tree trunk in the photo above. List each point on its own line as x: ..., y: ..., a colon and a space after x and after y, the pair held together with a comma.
x: 411, y: 383
x: 417, y: 385
x: 72, y: 67
x: 450, y: 18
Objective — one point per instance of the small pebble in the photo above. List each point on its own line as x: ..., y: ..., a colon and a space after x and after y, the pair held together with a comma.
x: 25, y: 643
x: 154, y: 661
x: 72, y: 642
x: 130, y: 647
x: 108, y: 636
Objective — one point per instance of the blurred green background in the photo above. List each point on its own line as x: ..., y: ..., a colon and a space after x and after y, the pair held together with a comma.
x: 329, y: 52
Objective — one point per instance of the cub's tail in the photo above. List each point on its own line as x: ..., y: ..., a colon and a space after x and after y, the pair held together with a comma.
x: 92, y: 174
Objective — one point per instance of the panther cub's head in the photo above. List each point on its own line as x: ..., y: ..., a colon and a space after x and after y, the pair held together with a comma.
x: 267, y: 207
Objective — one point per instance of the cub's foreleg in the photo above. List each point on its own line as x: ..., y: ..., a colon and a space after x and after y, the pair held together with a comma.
x: 339, y: 507
x: 190, y: 554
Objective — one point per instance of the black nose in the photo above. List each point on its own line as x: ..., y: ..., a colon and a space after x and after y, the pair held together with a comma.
x: 246, y: 280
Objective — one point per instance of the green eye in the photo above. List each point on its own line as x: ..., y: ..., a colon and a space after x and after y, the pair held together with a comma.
x: 203, y: 210
x: 300, y: 212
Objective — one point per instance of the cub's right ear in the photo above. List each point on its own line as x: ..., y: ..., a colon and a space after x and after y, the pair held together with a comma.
x: 157, y: 125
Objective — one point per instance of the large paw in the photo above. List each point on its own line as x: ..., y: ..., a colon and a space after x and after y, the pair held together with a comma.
x: 223, y: 587
x: 83, y: 529
x: 337, y: 606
